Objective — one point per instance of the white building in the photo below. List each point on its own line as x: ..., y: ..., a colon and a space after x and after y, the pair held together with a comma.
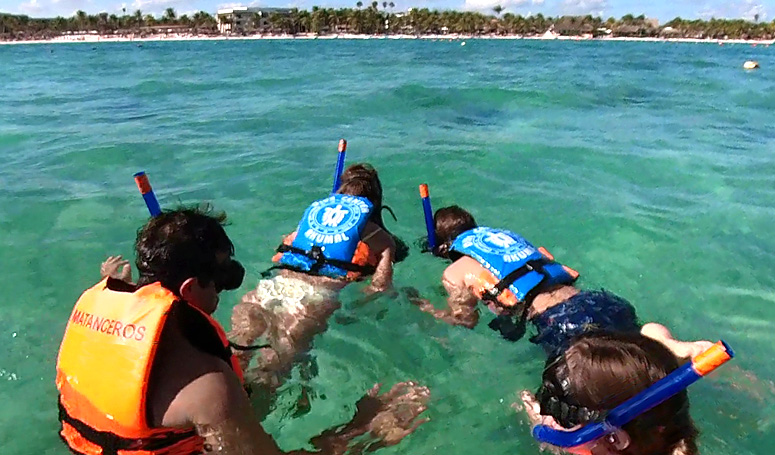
x: 241, y: 19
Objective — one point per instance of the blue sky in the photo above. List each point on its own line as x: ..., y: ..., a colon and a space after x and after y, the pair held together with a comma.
x: 663, y: 10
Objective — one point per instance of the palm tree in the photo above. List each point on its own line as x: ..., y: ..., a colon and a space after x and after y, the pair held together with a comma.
x: 82, y: 19
x: 169, y: 15
x: 497, y: 9
x: 138, y: 18
x: 359, y: 4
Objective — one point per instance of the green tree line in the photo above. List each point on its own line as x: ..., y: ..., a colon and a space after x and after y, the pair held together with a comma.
x: 24, y: 27
x: 377, y: 19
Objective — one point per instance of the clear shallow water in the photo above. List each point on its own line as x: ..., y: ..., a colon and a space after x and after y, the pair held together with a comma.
x: 649, y: 167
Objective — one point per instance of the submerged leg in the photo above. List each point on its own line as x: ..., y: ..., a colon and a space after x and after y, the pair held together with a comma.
x: 247, y: 325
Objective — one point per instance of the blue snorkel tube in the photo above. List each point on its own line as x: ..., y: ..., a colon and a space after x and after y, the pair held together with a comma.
x: 663, y: 389
x: 425, y: 195
x: 145, y: 189
x: 339, y: 165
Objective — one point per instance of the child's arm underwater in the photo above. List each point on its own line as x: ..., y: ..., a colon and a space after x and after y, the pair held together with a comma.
x: 461, y: 304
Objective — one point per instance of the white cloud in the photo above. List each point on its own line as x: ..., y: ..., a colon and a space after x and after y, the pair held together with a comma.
x: 155, y: 6
x: 488, y: 5
x: 32, y: 7
x: 232, y: 5
x: 69, y: 7
x: 749, y: 10
x: 584, y: 7
x: 745, y: 9
x: 538, y: 2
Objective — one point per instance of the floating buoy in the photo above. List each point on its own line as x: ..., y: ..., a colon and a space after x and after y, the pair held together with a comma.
x: 463, y: 43
x: 751, y: 65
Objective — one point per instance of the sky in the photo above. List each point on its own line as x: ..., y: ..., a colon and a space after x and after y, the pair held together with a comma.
x: 664, y: 10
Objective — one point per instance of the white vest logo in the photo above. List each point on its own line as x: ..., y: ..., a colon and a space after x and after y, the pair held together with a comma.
x: 330, y: 220
x: 500, y: 240
x: 509, y: 246
x: 333, y: 216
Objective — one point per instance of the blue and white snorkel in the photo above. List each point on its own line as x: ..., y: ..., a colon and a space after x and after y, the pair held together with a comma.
x: 663, y: 389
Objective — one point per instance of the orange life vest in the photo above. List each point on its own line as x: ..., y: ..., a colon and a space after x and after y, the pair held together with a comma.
x: 103, y: 369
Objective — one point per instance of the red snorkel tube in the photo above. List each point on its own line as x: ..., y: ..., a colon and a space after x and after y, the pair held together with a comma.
x: 678, y: 380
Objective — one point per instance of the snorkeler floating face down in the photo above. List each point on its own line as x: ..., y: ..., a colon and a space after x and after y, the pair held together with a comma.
x: 620, y: 393
x: 339, y: 240
x: 522, y: 283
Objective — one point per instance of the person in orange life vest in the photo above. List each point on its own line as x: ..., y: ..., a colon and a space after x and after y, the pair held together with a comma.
x: 294, y: 306
x: 600, y: 371
x: 525, y: 283
x: 144, y: 369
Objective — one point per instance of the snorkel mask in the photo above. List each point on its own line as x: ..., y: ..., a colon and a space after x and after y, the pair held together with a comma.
x: 596, y: 425
x: 229, y: 276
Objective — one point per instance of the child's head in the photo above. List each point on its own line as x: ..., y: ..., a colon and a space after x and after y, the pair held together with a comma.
x: 600, y: 371
x: 363, y: 180
x: 449, y: 223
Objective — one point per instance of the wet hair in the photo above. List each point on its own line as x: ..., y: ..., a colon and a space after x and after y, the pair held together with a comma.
x: 450, y: 222
x: 363, y: 187
x: 602, y: 370
x: 364, y: 171
x: 362, y: 180
x: 180, y: 244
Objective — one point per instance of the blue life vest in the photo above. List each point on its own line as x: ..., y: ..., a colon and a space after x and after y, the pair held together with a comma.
x: 328, y: 238
x: 517, y: 266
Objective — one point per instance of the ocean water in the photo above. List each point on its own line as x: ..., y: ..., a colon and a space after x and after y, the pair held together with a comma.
x: 648, y: 167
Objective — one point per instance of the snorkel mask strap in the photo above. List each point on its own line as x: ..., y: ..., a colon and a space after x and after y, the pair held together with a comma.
x: 387, y: 207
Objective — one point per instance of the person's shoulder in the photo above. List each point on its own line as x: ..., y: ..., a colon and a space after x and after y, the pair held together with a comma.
x: 211, y: 395
x: 185, y: 381
x: 377, y: 237
x: 456, y: 272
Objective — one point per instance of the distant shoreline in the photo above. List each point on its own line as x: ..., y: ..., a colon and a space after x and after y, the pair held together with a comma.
x: 91, y: 38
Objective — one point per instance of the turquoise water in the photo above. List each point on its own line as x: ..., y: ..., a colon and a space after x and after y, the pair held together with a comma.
x: 649, y: 167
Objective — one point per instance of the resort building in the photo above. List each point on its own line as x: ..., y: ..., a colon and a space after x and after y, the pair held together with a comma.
x: 244, y: 19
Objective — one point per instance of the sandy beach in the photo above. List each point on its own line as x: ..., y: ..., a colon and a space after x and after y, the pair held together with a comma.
x: 95, y: 38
